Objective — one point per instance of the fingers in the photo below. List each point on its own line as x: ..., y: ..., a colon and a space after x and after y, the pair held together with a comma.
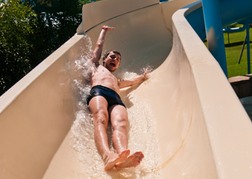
x: 145, y: 75
x: 105, y: 27
x: 146, y: 71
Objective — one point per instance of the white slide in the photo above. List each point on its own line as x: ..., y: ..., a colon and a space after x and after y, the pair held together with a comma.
x: 185, y: 118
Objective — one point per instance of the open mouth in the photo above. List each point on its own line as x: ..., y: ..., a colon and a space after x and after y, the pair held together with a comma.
x: 112, y: 64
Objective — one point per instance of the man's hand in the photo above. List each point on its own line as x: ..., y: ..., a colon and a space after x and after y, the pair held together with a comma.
x: 105, y: 27
x: 142, y: 77
x: 136, y: 81
x: 145, y: 74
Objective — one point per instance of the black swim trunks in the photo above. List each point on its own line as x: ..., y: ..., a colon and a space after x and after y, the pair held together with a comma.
x: 110, y: 95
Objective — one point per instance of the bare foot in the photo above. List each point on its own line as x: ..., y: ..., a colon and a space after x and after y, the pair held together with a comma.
x: 112, y: 161
x: 131, y: 161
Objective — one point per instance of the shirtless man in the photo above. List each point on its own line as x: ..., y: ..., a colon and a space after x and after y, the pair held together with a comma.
x: 105, y: 104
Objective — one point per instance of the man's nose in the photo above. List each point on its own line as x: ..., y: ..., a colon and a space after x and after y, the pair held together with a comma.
x: 115, y: 58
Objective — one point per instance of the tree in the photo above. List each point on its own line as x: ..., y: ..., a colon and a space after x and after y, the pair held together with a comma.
x: 57, y: 22
x: 30, y: 31
x: 86, y: 1
x: 17, y: 24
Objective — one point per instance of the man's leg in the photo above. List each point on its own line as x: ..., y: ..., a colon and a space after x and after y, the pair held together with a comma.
x: 98, y: 107
x: 120, y: 124
x: 119, y: 120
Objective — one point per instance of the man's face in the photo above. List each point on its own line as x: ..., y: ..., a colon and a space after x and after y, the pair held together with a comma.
x: 112, y: 61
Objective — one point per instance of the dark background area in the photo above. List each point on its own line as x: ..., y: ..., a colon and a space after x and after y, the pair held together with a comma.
x: 30, y: 31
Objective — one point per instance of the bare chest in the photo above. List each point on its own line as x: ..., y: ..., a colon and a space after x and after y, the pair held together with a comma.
x: 102, y: 74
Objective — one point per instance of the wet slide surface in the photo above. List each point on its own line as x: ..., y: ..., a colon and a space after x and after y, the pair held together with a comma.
x: 179, y: 118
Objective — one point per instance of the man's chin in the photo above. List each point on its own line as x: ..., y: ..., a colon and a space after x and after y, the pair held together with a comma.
x: 112, y: 70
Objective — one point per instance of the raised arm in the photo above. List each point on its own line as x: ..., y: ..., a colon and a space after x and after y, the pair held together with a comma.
x: 97, y: 52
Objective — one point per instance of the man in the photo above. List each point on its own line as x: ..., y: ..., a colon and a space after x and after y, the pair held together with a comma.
x: 106, y: 105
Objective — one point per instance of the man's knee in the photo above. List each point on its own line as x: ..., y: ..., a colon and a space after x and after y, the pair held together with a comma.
x: 101, y: 117
x: 121, y: 124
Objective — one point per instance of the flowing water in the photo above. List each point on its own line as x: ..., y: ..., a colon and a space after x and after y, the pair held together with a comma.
x: 141, y: 131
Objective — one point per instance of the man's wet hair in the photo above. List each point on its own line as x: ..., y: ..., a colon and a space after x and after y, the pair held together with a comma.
x: 105, y: 55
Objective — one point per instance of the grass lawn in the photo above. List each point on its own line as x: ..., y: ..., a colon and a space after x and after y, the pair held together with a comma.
x: 233, y: 51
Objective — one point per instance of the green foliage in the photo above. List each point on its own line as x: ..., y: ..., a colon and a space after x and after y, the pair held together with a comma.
x: 17, y: 24
x: 30, y: 31
x: 85, y: 1
x: 57, y: 22
x: 234, y: 42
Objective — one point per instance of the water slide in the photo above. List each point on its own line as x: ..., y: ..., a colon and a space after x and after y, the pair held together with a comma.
x: 186, y: 118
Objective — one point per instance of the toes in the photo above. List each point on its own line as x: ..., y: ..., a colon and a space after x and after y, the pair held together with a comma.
x: 119, y: 159
x: 131, y: 161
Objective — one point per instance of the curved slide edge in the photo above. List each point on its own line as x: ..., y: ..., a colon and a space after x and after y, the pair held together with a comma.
x: 228, y: 125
